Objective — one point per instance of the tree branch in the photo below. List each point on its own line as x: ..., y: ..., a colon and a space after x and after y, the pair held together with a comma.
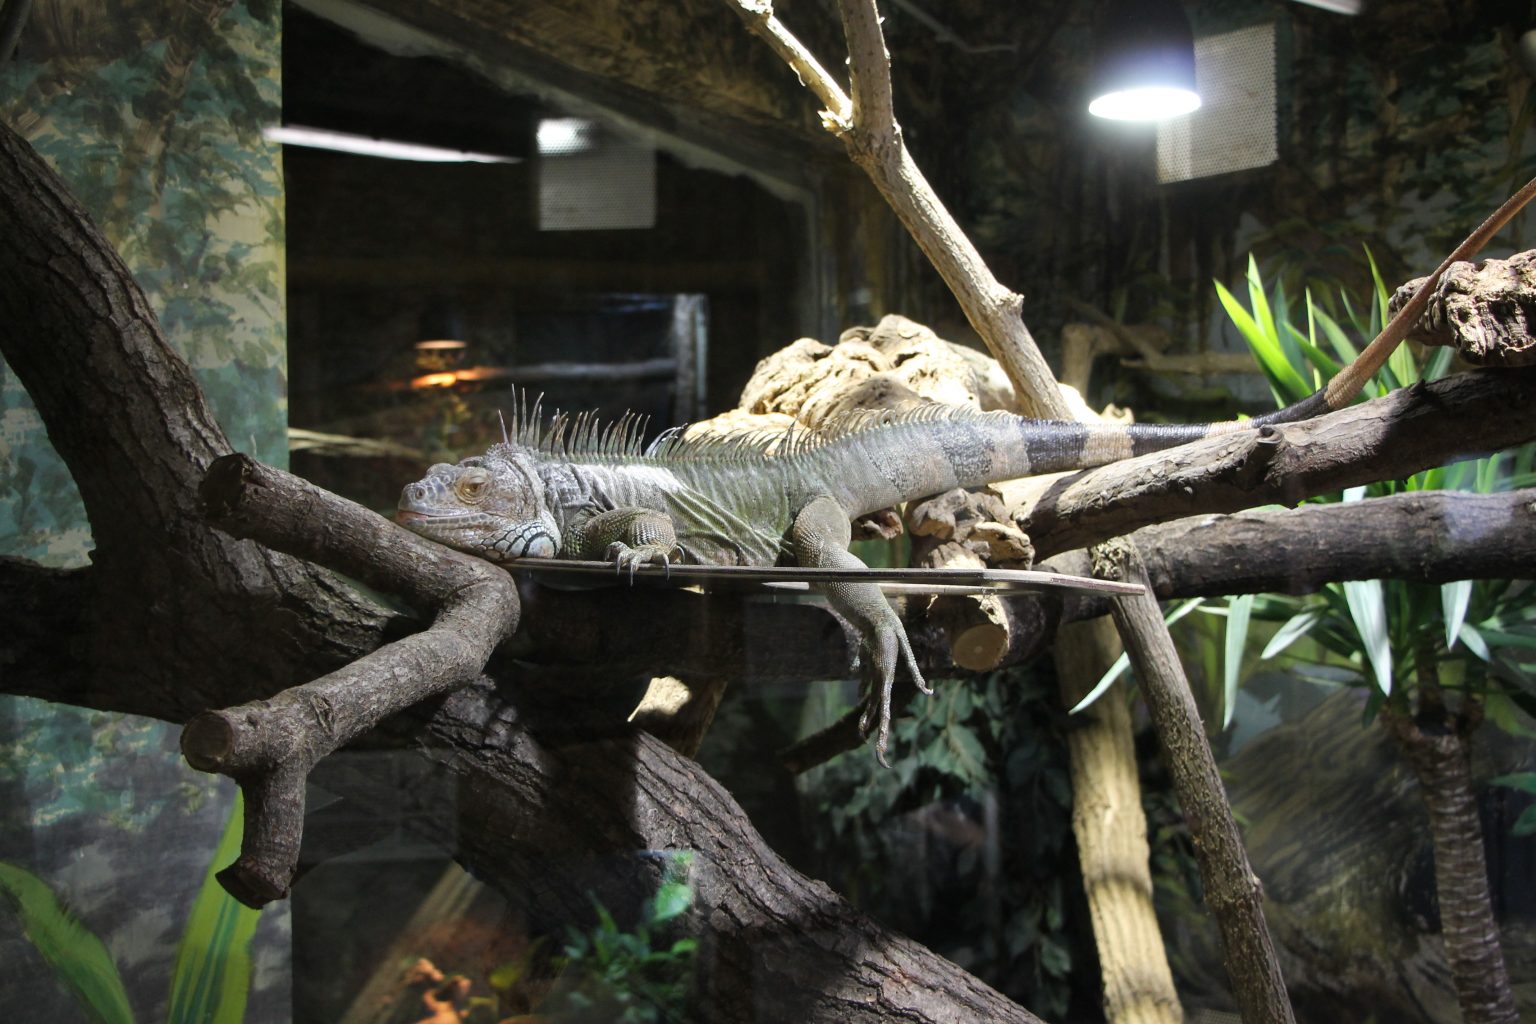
x: 1438, y: 536
x: 873, y: 139
x: 1389, y: 437
x: 1425, y: 536
x: 269, y: 746
x: 837, y: 113
x: 1232, y: 891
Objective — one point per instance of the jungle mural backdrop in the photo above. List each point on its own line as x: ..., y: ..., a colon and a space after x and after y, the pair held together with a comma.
x: 152, y: 111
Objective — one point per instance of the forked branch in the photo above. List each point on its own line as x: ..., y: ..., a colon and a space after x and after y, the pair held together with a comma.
x: 269, y: 746
x: 867, y: 125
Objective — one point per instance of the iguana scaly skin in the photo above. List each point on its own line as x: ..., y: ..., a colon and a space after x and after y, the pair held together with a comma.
x: 574, y: 489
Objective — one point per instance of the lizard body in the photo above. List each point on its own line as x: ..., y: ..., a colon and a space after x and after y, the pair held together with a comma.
x: 574, y: 489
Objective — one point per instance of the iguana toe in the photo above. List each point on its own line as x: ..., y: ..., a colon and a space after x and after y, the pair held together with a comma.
x: 625, y: 557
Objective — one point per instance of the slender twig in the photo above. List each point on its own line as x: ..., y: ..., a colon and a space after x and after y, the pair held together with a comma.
x: 873, y: 138
x: 837, y: 112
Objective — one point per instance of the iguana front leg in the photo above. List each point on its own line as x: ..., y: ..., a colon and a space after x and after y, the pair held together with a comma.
x: 628, y: 537
x: 819, y: 539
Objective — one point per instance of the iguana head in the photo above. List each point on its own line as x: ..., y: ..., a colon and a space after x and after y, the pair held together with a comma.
x: 491, y: 505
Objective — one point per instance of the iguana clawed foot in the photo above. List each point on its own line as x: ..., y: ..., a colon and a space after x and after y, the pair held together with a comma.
x: 887, y: 648
x: 819, y: 538
x: 628, y: 537
x: 625, y: 557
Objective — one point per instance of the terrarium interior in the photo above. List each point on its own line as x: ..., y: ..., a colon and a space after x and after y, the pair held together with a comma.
x: 386, y: 236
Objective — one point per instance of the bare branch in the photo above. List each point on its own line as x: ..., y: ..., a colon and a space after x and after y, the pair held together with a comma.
x: 1394, y: 436
x: 837, y: 112
x: 1232, y: 891
x: 873, y: 139
x: 269, y: 746
x: 1424, y: 536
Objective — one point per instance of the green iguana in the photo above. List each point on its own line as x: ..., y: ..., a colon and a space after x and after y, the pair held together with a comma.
x: 574, y: 488
x: 577, y: 489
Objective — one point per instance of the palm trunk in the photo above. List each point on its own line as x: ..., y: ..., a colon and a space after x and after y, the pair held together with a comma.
x: 1436, y: 747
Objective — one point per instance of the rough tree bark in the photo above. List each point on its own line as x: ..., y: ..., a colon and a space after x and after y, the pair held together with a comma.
x: 1436, y: 743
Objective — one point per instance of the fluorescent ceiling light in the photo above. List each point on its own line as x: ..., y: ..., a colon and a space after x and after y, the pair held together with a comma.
x: 564, y: 136
x: 1336, y: 6
x: 1150, y: 104
x: 363, y: 145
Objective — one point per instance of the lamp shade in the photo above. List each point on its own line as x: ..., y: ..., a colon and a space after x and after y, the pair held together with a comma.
x: 1143, y: 62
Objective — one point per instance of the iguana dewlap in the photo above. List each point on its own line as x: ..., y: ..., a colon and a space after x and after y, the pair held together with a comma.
x: 576, y: 490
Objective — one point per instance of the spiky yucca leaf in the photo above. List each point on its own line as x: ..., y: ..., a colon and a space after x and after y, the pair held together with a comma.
x: 212, y: 977
x: 78, y: 958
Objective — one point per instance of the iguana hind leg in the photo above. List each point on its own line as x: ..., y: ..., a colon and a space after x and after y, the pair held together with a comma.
x: 819, y: 539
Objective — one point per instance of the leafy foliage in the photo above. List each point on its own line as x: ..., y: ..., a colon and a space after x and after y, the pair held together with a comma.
x: 641, y: 976
x: 211, y: 980
x: 79, y: 959
x: 966, y: 842
x: 1480, y: 636
x: 1525, y: 782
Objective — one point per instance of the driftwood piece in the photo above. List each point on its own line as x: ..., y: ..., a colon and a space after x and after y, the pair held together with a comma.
x: 979, y: 628
x: 960, y: 528
x: 895, y: 364
x: 1484, y: 310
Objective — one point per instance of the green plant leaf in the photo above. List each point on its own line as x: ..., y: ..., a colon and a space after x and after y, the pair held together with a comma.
x: 79, y: 959
x: 1323, y: 365
x: 1525, y: 825
x: 1368, y: 611
x: 1401, y: 369
x: 1296, y: 627
x: 1238, y: 611
x: 1284, y: 379
x: 1523, y: 781
x: 1474, y: 641
x: 1123, y: 662
x: 1454, y: 598
x: 970, y: 758
x: 672, y: 900
x: 1336, y: 336
x: 212, y: 977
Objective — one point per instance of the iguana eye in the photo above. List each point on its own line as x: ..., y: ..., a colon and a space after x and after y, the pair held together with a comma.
x: 472, y: 486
